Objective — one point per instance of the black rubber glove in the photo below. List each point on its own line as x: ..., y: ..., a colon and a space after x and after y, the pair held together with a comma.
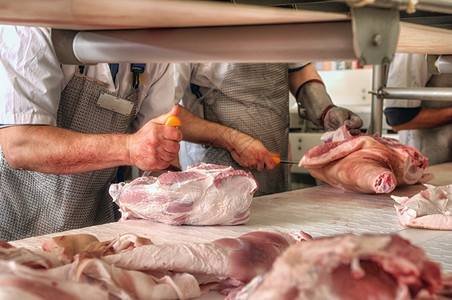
x: 315, y: 105
x: 335, y: 117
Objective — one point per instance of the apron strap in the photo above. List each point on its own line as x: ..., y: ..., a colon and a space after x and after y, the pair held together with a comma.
x: 137, y: 70
x: 195, y: 89
x: 114, y: 70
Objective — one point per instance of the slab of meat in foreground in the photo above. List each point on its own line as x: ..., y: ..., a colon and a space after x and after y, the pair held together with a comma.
x: 430, y: 208
x: 227, y: 263
x: 203, y: 195
x: 348, y: 267
x: 364, y: 163
x: 19, y: 282
x: 131, y: 265
x: 36, y: 259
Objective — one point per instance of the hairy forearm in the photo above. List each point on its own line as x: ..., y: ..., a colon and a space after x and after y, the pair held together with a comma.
x: 54, y: 150
x: 428, y: 118
x: 200, y: 131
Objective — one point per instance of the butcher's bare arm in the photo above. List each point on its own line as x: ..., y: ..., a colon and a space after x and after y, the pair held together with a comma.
x: 428, y: 118
x: 297, y: 78
x: 53, y: 150
x: 49, y: 149
x: 245, y: 150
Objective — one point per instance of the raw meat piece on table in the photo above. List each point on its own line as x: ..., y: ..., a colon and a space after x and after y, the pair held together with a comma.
x: 347, y: 267
x: 228, y: 263
x: 364, y: 163
x: 223, y: 265
x: 19, y: 282
x: 65, y: 247
x: 131, y: 284
x: 430, y: 208
x: 37, y: 259
x: 203, y: 195
x: 91, y: 278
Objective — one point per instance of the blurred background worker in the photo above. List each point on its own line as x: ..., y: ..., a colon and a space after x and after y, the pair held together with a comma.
x: 426, y: 125
x: 254, y: 99
x: 65, y: 130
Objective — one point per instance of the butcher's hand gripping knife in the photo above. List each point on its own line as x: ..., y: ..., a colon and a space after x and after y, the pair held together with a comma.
x: 172, y: 121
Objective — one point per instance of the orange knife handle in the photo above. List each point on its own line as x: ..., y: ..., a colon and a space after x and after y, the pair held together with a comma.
x: 276, y: 159
x: 173, y: 121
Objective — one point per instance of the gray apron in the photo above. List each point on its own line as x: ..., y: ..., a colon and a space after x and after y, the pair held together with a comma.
x: 33, y: 203
x: 435, y: 143
x: 254, y: 99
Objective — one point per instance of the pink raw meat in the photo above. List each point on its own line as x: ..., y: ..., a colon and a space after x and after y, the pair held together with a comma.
x: 66, y: 247
x: 18, y: 282
x: 364, y: 163
x: 91, y: 278
x: 228, y: 263
x: 224, y: 264
x: 430, y: 209
x: 33, y: 259
x: 203, y: 195
x: 347, y: 267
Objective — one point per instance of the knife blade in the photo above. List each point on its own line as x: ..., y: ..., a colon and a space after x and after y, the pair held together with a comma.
x: 289, y: 162
x: 277, y: 160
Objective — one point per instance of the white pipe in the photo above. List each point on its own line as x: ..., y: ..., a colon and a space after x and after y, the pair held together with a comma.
x: 413, y: 93
x: 376, y: 113
x: 258, y: 43
x: 444, y: 64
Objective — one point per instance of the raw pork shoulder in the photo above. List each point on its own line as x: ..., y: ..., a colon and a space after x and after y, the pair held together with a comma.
x: 348, y: 267
x: 364, y: 163
x: 431, y: 208
x: 203, y: 195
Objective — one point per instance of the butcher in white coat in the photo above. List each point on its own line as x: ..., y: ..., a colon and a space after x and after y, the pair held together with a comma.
x: 65, y: 129
x: 426, y: 125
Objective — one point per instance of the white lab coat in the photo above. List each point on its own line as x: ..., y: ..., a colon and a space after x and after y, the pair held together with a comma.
x: 410, y: 70
x: 32, y: 79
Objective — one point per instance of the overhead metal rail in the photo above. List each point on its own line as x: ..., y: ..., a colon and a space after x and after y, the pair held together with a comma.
x: 257, y: 43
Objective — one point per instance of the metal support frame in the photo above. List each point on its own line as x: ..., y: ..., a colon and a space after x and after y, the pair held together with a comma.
x: 376, y: 117
x: 376, y: 32
x: 371, y: 36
